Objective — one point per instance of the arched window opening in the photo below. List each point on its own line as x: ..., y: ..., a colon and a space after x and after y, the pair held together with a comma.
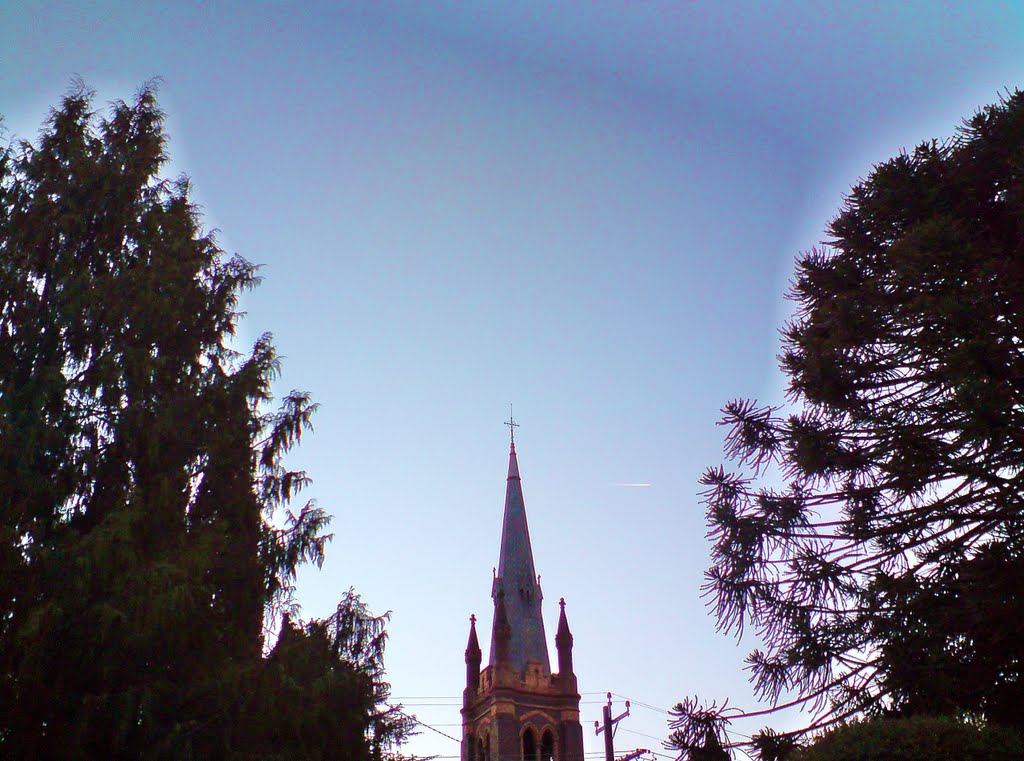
x: 529, y: 746
x: 471, y: 745
x: 547, y: 746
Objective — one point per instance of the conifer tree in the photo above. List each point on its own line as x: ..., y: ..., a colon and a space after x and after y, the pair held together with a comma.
x: 873, y: 533
x: 145, y: 531
x: 920, y: 738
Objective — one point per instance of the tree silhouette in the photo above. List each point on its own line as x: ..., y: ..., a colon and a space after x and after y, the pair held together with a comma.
x: 145, y: 535
x: 872, y: 533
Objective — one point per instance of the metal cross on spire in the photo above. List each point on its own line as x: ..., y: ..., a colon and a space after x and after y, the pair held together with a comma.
x: 512, y: 425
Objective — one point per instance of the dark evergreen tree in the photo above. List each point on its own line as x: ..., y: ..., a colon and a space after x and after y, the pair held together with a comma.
x: 873, y: 533
x: 920, y: 738
x: 145, y: 538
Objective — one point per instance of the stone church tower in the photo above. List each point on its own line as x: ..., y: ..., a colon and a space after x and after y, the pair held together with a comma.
x: 516, y: 709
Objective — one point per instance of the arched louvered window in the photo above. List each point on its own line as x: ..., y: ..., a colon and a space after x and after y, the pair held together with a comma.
x: 547, y: 746
x: 529, y: 745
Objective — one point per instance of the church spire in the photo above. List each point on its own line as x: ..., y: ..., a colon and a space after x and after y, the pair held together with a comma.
x: 516, y: 708
x: 516, y: 580
x: 473, y: 657
x: 563, y: 642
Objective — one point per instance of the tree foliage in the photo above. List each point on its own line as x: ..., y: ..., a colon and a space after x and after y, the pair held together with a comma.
x: 872, y: 532
x: 145, y: 535
x: 920, y: 738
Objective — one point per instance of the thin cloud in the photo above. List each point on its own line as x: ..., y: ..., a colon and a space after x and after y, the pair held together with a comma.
x: 634, y: 486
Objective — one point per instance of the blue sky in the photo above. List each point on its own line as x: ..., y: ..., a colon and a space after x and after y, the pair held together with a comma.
x: 588, y: 210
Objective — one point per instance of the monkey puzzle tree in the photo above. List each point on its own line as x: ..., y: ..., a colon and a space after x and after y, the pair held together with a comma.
x: 873, y: 533
x: 144, y: 531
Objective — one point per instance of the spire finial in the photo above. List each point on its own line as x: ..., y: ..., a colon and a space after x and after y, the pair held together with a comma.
x: 512, y: 425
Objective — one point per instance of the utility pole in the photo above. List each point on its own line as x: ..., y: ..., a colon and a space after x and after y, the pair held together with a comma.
x: 609, y: 724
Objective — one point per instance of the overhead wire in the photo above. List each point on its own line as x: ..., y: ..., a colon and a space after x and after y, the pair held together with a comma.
x: 640, y: 703
x: 424, y: 724
x: 589, y: 754
x: 634, y: 732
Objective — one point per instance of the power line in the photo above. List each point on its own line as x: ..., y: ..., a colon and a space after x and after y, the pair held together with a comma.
x: 634, y: 732
x: 429, y: 705
x: 406, y: 702
x: 642, y: 704
x: 424, y: 724
x: 426, y: 697
x: 458, y: 697
x: 433, y: 728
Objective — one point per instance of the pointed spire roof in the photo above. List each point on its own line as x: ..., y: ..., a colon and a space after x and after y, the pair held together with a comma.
x: 516, y: 581
x: 563, y: 634
x: 516, y: 555
x: 473, y: 646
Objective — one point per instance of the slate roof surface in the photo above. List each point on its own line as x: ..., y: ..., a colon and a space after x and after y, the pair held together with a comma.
x: 517, y: 578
